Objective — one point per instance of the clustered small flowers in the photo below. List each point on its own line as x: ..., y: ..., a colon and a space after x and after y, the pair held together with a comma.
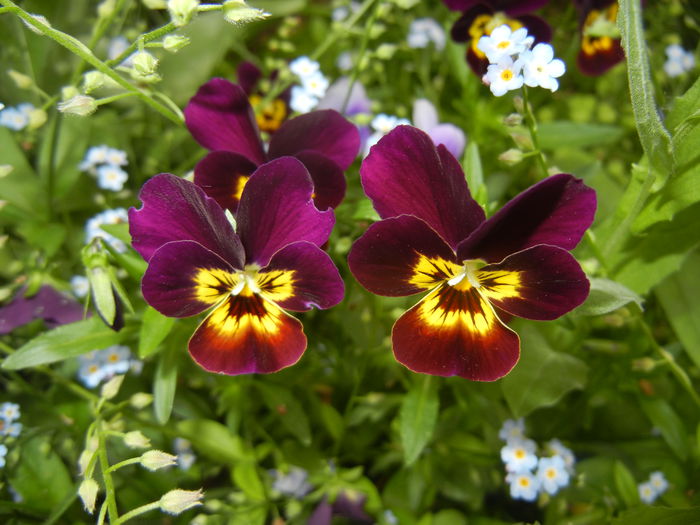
x: 527, y: 474
x: 106, y: 164
x: 93, y: 227
x: 9, y: 427
x: 424, y: 31
x: 513, y: 62
x: 185, y: 454
x: 293, y: 484
x: 651, y: 489
x: 17, y: 117
x: 382, y: 124
x: 313, y: 84
x: 101, y: 365
x: 679, y: 61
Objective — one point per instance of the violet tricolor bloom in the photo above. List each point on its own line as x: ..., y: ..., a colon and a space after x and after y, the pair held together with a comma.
x: 434, y: 237
x: 221, y: 119
x: 271, y: 117
x: 271, y: 261
x: 47, y: 304
x: 601, y: 46
x: 425, y: 117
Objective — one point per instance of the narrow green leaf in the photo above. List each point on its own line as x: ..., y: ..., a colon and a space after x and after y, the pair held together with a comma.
x: 542, y: 376
x: 663, y: 417
x: 245, y: 475
x: 655, y: 139
x: 119, y: 230
x: 685, y: 105
x: 213, y: 440
x: 21, y: 187
x: 332, y: 420
x: 70, y: 340
x: 563, y: 133
x: 474, y: 173
x: 652, y: 515
x: 417, y: 417
x: 164, y: 386
x: 281, y: 401
x: 606, y: 296
x: 625, y: 484
x: 155, y: 327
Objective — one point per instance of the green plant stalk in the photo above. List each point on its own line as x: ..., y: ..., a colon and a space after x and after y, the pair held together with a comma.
x: 360, y: 55
x: 110, y: 498
x: 102, y: 514
x: 138, y: 511
x: 107, y: 100
x: 142, y: 40
x: 532, y: 128
x: 126, y: 462
x: 79, y: 49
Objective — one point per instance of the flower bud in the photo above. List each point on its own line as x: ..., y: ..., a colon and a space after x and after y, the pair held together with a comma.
x: 5, y: 170
x: 37, y: 118
x: 68, y: 92
x: 182, y: 11
x: 522, y: 140
x: 80, y: 105
x: 105, y: 8
x: 84, y: 461
x: 21, y: 81
x: 88, y: 493
x: 135, y: 439
x: 174, y: 43
x: 239, y: 12
x: 511, y: 157
x: 512, y: 120
x: 178, y: 500
x: 141, y: 400
x: 145, y: 65
x: 157, y: 459
x: 111, y: 387
x: 93, y: 80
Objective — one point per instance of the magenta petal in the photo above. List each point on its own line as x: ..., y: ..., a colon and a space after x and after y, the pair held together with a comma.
x: 223, y: 175
x: 220, y: 117
x: 550, y: 283
x: 329, y: 181
x: 248, y: 76
x: 405, y: 174
x: 315, y: 281
x: 325, y: 131
x: 556, y: 211
x: 276, y: 210
x: 184, y: 279
x: 48, y: 304
x: 177, y: 210
x: 393, y: 257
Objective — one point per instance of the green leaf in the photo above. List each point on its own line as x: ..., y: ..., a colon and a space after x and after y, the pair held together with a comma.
x: 663, y: 417
x: 164, y: 386
x: 70, y: 340
x: 102, y: 293
x: 474, y: 173
x: 282, y: 402
x: 648, y: 515
x: 39, y: 462
x: 155, y: 327
x: 332, y: 420
x: 557, y: 134
x: 543, y: 375
x: 679, y: 296
x: 606, y: 296
x: 21, y: 186
x: 213, y: 440
x: 685, y: 105
x: 655, y: 139
x: 417, y: 417
x: 245, y: 474
x: 48, y: 237
x: 119, y: 230
x: 625, y: 484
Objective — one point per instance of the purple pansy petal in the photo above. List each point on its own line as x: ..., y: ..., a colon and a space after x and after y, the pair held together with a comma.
x: 455, y: 332
x: 405, y: 174
x: 512, y: 7
x: 460, y: 29
x: 248, y: 76
x: 401, y: 256
x: 245, y: 335
x: 556, y: 211
x: 301, y: 276
x: 322, y: 515
x: 223, y: 175
x: 329, y: 181
x: 449, y: 136
x: 184, y: 279
x: 595, y: 64
x: 47, y: 304
x: 537, y: 27
x: 276, y: 210
x: 351, y: 505
x: 326, y: 132
x: 177, y: 210
x: 541, y: 283
x: 220, y: 117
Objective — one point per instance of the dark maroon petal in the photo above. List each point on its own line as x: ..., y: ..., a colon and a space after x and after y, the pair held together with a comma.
x: 351, y: 505
x: 519, y: 7
x: 177, y: 210
x: 329, y: 181
x: 48, y: 304
x: 325, y: 131
x: 541, y: 283
x: 184, y: 279
x: 219, y: 116
x: 276, y: 210
x: 455, y: 332
x: 401, y: 256
x: 245, y: 335
x: 556, y: 211
x: 322, y: 515
x: 460, y: 29
x: 460, y: 5
x: 301, y: 276
x: 537, y: 27
x: 223, y: 175
x: 595, y: 64
x: 248, y: 76
x: 405, y: 174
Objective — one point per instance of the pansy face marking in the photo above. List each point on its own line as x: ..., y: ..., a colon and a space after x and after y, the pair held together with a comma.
x: 434, y: 238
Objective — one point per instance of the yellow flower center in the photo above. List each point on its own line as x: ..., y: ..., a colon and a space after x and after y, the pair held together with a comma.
x: 507, y: 75
x: 485, y: 24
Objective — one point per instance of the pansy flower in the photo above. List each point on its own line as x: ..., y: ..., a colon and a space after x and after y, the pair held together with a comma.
x: 271, y: 117
x: 271, y: 261
x: 481, y: 17
x: 221, y: 119
x: 433, y: 237
x: 601, y: 46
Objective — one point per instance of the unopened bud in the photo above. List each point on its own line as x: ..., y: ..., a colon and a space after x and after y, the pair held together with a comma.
x: 519, y: 104
x: 178, y: 500
x: 643, y: 364
x: 135, y: 439
x: 106, y: 8
x: 80, y: 105
x: 157, y: 459
x: 144, y: 67
x: 522, y: 140
x: 514, y: 119
x: 174, y: 43
x: 88, y: 493
x: 511, y: 157
x: 68, y: 92
x: 111, y: 387
x: 5, y: 170
x: 386, y: 51
x: 84, y: 461
x: 21, y: 80
x: 239, y: 12
x: 141, y: 400
x: 182, y: 11
x: 93, y: 80
x: 37, y: 118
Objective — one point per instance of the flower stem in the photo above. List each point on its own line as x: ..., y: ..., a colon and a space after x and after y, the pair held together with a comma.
x: 110, y: 499
x: 138, y: 511
x: 532, y: 128
x: 358, y: 59
x: 124, y: 463
x: 143, y: 39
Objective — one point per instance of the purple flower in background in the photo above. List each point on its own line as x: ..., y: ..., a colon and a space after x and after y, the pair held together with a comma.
x: 601, y: 46
x: 247, y: 277
x: 348, y: 505
x: 271, y: 117
x: 47, y: 304
x: 425, y: 117
x: 221, y: 119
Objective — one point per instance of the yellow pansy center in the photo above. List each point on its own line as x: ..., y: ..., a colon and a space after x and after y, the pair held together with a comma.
x: 484, y: 24
x: 599, y: 30
x: 270, y: 117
